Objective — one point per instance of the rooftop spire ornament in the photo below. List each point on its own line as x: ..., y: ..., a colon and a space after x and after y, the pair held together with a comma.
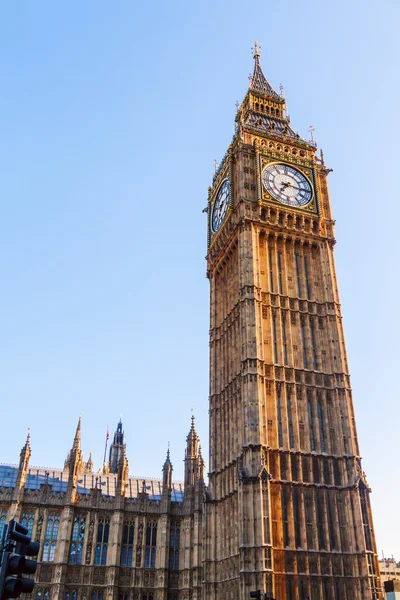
x: 311, y: 130
x: 256, y: 50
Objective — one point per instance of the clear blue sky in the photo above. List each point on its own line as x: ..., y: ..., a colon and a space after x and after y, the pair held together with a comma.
x: 111, y: 115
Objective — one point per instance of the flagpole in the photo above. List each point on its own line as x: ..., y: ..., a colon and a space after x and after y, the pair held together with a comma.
x: 105, y: 448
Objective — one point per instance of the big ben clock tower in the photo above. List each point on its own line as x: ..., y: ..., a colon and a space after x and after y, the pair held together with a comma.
x: 288, y: 507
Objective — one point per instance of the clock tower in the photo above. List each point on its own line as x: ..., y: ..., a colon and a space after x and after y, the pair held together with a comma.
x: 288, y: 507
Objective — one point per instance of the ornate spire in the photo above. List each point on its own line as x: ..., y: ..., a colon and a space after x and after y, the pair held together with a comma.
x: 117, y: 448
x: 77, y: 438
x: 89, y: 464
x: 258, y: 83
x: 192, y: 456
x: 75, y: 457
x: 167, y: 473
x: 25, y: 452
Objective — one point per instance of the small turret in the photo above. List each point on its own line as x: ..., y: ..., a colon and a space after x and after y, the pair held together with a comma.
x: 123, y: 474
x: 24, y: 457
x: 194, y: 463
x: 167, y: 474
x: 74, y: 463
x: 89, y: 465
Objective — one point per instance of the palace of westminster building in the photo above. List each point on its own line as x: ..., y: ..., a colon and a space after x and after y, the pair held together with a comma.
x: 286, y: 507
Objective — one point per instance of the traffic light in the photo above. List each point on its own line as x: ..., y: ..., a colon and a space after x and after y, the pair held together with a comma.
x: 14, y: 564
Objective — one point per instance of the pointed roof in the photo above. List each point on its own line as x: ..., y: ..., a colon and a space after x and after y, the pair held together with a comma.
x: 77, y: 438
x: 258, y: 81
x: 28, y: 441
x: 167, y: 464
x: 192, y: 435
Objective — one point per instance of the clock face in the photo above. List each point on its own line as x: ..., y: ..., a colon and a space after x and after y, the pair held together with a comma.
x: 220, y: 205
x: 287, y: 184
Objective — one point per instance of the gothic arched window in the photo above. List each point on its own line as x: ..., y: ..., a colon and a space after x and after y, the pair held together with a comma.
x: 174, y: 544
x: 151, y: 543
x: 78, y: 534
x: 127, y: 543
x: 3, y: 517
x: 103, y: 531
x: 27, y: 520
x: 50, y: 540
x: 96, y: 595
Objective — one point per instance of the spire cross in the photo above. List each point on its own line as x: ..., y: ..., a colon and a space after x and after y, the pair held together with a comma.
x: 311, y: 129
x: 256, y: 50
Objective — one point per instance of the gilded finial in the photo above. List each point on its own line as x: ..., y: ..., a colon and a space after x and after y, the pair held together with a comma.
x: 282, y: 92
x: 256, y: 50
x: 311, y: 130
x: 237, y: 106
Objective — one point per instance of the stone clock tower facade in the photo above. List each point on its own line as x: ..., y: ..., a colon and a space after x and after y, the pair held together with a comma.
x: 287, y: 509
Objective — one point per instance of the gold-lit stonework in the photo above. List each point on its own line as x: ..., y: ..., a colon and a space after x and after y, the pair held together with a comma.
x: 287, y: 508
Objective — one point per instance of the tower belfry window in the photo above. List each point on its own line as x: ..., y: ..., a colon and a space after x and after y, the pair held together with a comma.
x: 290, y: 420
x: 271, y: 271
x: 275, y: 338
x: 303, y: 341
x: 306, y: 278
x: 321, y: 427
x: 297, y: 260
x: 280, y: 271
x: 314, y: 352
x: 284, y: 340
x: 279, y: 416
x: 310, y: 423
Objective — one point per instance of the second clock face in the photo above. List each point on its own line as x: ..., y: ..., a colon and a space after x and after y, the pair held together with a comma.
x: 287, y: 184
x: 220, y: 205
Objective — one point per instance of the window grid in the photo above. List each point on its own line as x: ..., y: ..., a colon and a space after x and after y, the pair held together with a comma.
x: 285, y: 357
x: 3, y: 517
x: 275, y: 340
x: 78, y: 535
x: 321, y: 427
x: 298, y: 275
x: 320, y: 519
x: 280, y: 271
x: 271, y: 274
x: 127, y: 544
x: 151, y: 543
x: 290, y: 420
x: 174, y: 543
x: 103, y: 530
x: 285, y: 520
x: 49, y: 547
x: 27, y: 520
x: 279, y: 413
x: 303, y: 340
x: 42, y: 594
x: 310, y: 421
x: 297, y: 520
x: 71, y: 595
x: 306, y: 278
x: 314, y: 353
x: 97, y: 595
